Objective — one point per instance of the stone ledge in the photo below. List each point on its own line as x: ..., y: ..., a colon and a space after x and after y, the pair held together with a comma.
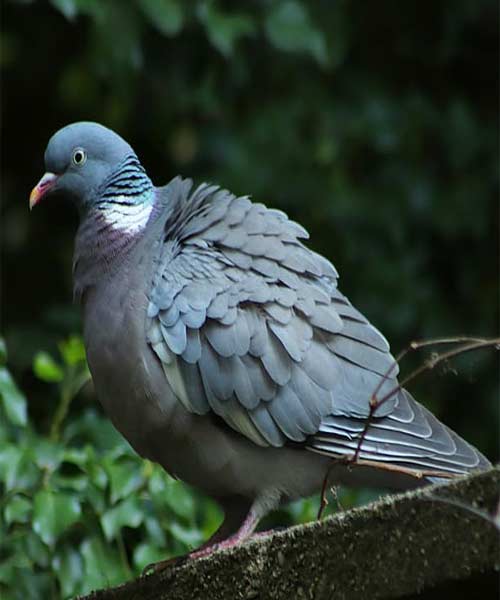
x: 396, y: 547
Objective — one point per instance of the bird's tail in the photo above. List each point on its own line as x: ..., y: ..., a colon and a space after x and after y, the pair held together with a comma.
x: 410, y: 441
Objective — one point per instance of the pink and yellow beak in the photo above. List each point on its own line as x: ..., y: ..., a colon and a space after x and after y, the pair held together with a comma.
x: 42, y: 188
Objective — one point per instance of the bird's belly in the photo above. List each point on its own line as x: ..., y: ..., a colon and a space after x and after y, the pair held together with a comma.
x: 134, y: 392
x: 127, y: 376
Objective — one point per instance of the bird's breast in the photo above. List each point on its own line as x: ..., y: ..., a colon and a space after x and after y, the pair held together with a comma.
x: 127, y: 376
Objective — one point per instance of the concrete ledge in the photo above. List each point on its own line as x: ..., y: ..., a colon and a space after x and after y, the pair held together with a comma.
x: 396, y: 547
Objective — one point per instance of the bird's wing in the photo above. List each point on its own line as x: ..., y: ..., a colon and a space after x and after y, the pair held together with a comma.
x: 410, y: 437
x: 248, y: 322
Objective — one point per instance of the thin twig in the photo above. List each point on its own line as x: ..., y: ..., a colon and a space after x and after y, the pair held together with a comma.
x: 334, y: 490
x: 468, y: 344
x: 429, y: 364
x: 323, y: 502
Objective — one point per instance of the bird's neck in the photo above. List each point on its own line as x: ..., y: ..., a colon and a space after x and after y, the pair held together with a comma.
x: 113, y: 225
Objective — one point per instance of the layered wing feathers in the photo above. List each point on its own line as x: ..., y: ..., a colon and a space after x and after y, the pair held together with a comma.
x: 248, y: 323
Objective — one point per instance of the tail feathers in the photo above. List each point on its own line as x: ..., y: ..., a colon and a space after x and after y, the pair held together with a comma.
x: 410, y: 437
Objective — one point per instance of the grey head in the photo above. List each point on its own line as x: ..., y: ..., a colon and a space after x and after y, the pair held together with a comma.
x: 80, y: 158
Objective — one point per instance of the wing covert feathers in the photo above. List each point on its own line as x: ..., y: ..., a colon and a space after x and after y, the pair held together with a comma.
x: 249, y: 323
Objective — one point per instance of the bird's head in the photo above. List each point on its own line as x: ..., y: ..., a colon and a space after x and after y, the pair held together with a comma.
x: 78, y: 160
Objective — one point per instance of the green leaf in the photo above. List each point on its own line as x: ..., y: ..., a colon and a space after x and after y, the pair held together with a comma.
x: 68, y: 566
x: 9, y: 568
x: 36, y: 550
x: 77, y: 456
x: 289, y: 28
x: 95, y: 430
x: 9, y: 455
x: 3, y: 351
x: 23, y: 582
x: 224, y: 29
x: 146, y: 554
x: 165, y: 15
x: 17, y: 468
x: 72, y: 350
x: 158, y: 481
x: 46, y: 368
x: 18, y: 510
x: 53, y: 513
x: 175, y: 494
x: 103, y: 567
x: 125, y: 514
x: 77, y: 483
x: 48, y: 455
x: 155, y: 531
x: 13, y: 400
x: 124, y: 478
x: 180, y: 499
x: 67, y: 7
x: 212, y: 517
x: 97, y: 475
x: 96, y: 498
x: 187, y: 535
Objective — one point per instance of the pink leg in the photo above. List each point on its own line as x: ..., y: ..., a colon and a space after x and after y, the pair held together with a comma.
x: 244, y: 532
x: 238, y: 525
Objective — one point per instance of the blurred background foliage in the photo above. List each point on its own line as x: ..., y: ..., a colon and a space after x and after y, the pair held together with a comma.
x: 373, y: 124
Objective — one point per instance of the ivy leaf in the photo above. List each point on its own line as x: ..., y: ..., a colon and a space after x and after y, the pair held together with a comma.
x: 53, y: 513
x: 18, y: 470
x: 146, y: 554
x: 289, y: 27
x: 36, y: 551
x: 9, y: 455
x: 224, y: 29
x: 3, y: 351
x: 96, y: 498
x: 68, y: 566
x: 17, y: 510
x: 13, y: 400
x: 175, y: 494
x: 48, y: 455
x: 165, y: 15
x: 72, y: 350
x: 125, y: 514
x: 10, y: 567
x: 103, y: 567
x: 156, y: 533
x: 95, y: 430
x: 187, y: 535
x: 180, y: 499
x: 97, y: 475
x: 46, y: 368
x: 124, y: 478
x: 158, y: 481
x: 67, y: 7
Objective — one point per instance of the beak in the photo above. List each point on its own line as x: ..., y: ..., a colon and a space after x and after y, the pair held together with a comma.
x: 42, y: 188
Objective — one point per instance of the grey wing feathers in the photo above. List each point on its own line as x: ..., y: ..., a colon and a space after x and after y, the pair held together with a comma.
x: 410, y: 437
x: 248, y: 323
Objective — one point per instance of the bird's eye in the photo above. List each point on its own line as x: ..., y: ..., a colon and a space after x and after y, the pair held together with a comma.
x: 79, y: 156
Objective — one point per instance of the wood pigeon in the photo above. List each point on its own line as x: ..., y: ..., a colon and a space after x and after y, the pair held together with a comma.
x: 221, y: 347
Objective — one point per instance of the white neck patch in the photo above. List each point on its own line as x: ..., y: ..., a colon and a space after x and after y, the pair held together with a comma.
x: 128, y: 218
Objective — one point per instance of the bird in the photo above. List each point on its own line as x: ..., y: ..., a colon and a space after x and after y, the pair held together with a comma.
x: 221, y: 347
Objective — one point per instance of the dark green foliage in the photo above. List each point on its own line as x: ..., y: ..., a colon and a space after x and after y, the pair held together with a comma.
x: 79, y: 508
x: 373, y: 124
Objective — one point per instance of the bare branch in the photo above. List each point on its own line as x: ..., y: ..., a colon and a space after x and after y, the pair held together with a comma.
x: 467, y: 344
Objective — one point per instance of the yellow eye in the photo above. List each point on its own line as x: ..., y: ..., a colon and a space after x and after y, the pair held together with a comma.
x: 79, y: 156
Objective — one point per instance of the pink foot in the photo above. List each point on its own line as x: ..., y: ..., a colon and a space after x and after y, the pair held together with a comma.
x: 243, y: 533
